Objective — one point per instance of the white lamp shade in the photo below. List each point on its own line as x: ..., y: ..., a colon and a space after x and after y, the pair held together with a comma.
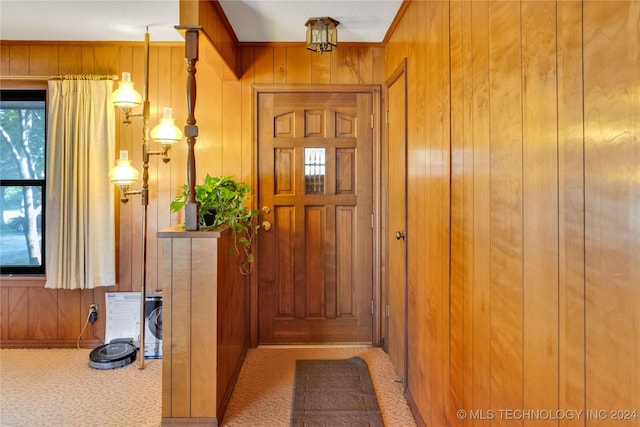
x: 166, y: 132
x: 126, y: 97
x: 123, y: 174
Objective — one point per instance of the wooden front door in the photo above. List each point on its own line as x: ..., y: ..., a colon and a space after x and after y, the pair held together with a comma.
x: 315, y: 193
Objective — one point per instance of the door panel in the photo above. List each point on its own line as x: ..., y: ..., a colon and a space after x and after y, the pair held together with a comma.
x: 397, y: 281
x: 315, y: 170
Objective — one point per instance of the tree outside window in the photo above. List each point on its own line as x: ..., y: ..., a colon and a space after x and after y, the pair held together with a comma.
x: 22, y: 180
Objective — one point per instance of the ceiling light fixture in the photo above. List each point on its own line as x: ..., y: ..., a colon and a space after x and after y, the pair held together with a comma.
x: 322, y: 34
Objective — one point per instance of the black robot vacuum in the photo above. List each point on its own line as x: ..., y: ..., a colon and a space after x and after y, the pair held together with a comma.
x: 118, y: 353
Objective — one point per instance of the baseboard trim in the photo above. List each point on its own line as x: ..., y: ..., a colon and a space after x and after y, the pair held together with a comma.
x: 201, y: 421
x: 49, y: 343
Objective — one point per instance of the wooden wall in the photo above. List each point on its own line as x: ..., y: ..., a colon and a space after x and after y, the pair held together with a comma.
x: 523, y: 195
x: 524, y: 270
x: 428, y: 158
x: 33, y: 316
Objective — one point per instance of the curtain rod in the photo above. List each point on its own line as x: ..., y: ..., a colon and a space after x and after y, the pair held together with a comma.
x: 64, y: 77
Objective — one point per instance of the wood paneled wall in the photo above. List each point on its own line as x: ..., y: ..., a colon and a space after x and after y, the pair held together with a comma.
x: 33, y: 316
x: 523, y: 195
x: 524, y: 270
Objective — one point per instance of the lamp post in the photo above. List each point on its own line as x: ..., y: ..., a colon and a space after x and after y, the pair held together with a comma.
x: 123, y: 175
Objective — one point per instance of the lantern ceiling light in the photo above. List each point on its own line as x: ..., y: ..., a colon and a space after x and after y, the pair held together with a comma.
x: 322, y: 34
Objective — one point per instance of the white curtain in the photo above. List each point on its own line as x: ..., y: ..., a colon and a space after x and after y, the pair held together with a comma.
x: 80, y: 216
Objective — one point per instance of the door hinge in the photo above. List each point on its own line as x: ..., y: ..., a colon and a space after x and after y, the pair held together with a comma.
x: 386, y: 310
x: 372, y: 306
x: 372, y: 222
x: 372, y: 120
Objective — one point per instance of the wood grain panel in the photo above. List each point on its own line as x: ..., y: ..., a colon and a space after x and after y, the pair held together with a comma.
x: 458, y: 226
x: 540, y: 202
x: 571, y: 243
x: 315, y: 217
x: 285, y: 220
x: 506, y: 206
x: 345, y: 171
x: 43, y: 60
x: 612, y: 197
x: 298, y: 65
x: 4, y: 59
x: 4, y: 314
x: 204, y: 350
x: 43, y: 321
x: 106, y: 60
x: 481, y: 208
x: 521, y: 193
x: 419, y: 248
x: 345, y: 66
x: 284, y: 167
x: 18, y: 324
x: 69, y: 59
x: 440, y: 205
x: 263, y: 65
x: 19, y: 60
x: 210, y: 16
x: 284, y: 126
x: 321, y: 69
x: 280, y: 68
x: 167, y: 325
x: 232, y: 321
x: 88, y: 60
x: 314, y: 123
x: 232, y: 129
x: 345, y: 264
x: 180, y: 349
x: 203, y: 315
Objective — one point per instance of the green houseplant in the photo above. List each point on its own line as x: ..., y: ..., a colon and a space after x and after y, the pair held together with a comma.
x: 223, y: 203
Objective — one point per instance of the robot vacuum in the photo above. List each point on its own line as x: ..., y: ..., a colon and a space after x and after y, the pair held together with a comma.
x: 118, y: 353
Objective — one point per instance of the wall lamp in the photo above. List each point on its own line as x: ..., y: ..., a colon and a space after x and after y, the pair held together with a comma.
x: 123, y: 174
x: 322, y: 34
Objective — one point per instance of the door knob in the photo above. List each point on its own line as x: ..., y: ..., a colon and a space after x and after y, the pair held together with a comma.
x: 400, y: 235
x: 265, y: 209
x: 266, y: 225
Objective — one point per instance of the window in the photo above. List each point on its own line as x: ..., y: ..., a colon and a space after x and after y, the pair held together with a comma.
x: 22, y: 180
x: 314, y: 170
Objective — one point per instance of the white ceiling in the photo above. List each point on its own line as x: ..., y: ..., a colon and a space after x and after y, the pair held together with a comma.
x: 126, y: 20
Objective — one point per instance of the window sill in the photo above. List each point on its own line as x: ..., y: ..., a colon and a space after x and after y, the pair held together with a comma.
x: 22, y: 281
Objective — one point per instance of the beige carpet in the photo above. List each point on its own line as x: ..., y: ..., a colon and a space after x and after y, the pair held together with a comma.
x: 56, y: 387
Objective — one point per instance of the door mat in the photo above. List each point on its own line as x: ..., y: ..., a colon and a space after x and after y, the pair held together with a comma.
x: 334, y: 392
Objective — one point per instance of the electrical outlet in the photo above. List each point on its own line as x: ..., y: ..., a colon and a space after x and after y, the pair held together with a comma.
x: 93, y: 312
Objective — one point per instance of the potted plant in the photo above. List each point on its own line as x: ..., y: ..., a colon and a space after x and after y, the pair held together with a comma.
x: 223, y: 203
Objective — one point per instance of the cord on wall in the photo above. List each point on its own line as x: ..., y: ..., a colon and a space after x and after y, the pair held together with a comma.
x: 92, y: 316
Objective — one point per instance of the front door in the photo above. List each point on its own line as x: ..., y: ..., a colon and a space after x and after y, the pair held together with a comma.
x: 315, y: 192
